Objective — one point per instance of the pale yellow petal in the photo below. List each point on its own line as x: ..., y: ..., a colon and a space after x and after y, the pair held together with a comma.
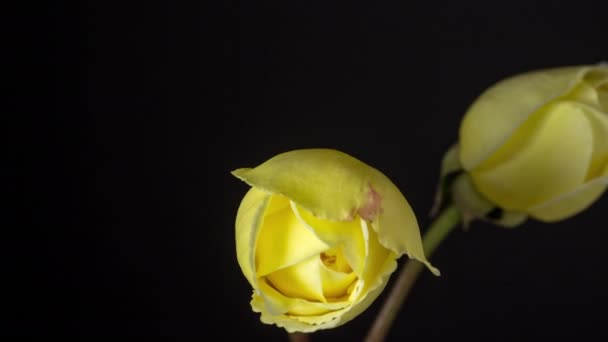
x: 572, y: 202
x: 597, y: 75
x: 334, y: 258
x: 376, y: 258
x: 552, y: 162
x: 317, y: 310
x: 334, y: 318
x: 336, y: 284
x: 249, y: 219
x: 300, y: 323
x: 599, y: 127
x: 274, y: 303
x: 304, y: 316
x: 330, y: 184
x: 284, y: 241
x: 598, y: 79
x: 519, y: 141
x: 381, y: 264
x: 335, y: 186
x: 277, y: 203
x: 295, y: 314
x: 500, y: 110
x: 302, y: 280
x: 396, y: 226
x: 592, y: 90
x: 325, y: 321
x: 380, y: 270
x: 348, y: 234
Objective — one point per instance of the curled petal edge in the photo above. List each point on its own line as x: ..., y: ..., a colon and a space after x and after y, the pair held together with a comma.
x: 571, y: 203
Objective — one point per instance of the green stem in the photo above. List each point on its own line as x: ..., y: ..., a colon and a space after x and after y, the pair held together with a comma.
x: 439, y: 230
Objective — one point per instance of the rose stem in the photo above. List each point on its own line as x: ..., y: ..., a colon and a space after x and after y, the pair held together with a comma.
x: 439, y: 230
x: 299, y: 337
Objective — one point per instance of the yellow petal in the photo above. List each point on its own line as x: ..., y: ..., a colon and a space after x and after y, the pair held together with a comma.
x: 274, y: 303
x: 325, y: 321
x: 284, y: 241
x: 378, y: 270
x: 277, y: 203
x: 369, y: 297
x: 376, y: 258
x: 588, y: 91
x: 302, y: 280
x: 599, y: 126
x: 295, y: 314
x: 328, y: 183
x: 553, y: 161
x: 572, y: 202
x: 348, y: 234
x: 597, y: 75
x: 500, y: 110
x: 249, y: 219
x: 336, y: 284
x: 381, y: 263
x: 334, y: 259
x: 310, y: 322
x: 598, y: 79
x: 335, y: 186
x: 396, y: 226
x: 311, y: 316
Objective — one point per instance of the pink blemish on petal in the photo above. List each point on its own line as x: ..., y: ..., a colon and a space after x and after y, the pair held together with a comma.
x: 371, y: 207
x: 351, y: 215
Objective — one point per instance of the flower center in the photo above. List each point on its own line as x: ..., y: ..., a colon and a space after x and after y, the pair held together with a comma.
x: 334, y: 259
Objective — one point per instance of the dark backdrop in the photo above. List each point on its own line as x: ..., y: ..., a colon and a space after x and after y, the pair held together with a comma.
x: 127, y: 205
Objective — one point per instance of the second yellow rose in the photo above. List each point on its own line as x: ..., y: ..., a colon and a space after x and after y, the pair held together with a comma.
x: 537, y: 143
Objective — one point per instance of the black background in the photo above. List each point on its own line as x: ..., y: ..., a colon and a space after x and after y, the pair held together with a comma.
x: 126, y: 204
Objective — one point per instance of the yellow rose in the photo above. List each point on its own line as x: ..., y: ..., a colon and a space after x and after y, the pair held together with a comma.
x: 537, y: 143
x: 318, y: 235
